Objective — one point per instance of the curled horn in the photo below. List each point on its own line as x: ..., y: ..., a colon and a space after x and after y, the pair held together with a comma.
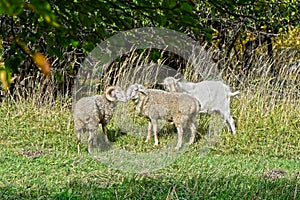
x: 108, y: 93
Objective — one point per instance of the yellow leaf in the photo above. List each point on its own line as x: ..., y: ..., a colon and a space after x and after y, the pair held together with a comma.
x: 47, y: 18
x: 41, y: 62
x: 23, y: 46
x: 4, y: 81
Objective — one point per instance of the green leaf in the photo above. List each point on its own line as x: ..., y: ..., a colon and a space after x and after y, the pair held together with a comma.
x: 11, y: 8
x: 186, y: 8
x: 43, y: 8
x: 188, y: 20
x: 74, y: 43
x: 163, y: 20
x: 208, y: 36
x: 213, y: 13
x: 88, y: 47
x: 169, y: 3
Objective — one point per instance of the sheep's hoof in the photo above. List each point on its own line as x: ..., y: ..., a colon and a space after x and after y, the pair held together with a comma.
x: 90, y: 149
x: 177, y: 147
x: 106, y: 140
x: 190, y: 142
x: 79, y: 147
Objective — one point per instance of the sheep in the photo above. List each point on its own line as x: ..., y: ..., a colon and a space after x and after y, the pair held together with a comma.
x: 158, y: 104
x: 213, y: 96
x: 89, y: 112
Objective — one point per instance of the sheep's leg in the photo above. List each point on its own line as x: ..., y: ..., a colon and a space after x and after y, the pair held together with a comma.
x: 78, y: 140
x: 149, y: 131
x: 193, y: 130
x: 78, y: 146
x: 104, y: 129
x: 180, y: 134
x: 90, y: 140
x: 230, y: 121
x: 154, y: 126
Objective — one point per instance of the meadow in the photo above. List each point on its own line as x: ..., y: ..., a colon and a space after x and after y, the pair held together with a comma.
x: 39, y: 159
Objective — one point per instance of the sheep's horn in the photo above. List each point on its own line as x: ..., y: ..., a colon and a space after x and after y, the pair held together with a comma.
x: 108, y: 94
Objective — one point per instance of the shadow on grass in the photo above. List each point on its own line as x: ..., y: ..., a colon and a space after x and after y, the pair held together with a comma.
x: 197, y: 187
x: 209, y: 178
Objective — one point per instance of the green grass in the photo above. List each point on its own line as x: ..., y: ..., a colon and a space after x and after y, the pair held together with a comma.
x: 39, y: 160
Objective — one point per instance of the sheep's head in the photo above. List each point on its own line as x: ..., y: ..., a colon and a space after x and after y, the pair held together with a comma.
x: 115, y: 93
x: 170, y: 84
x: 138, y: 94
x: 133, y: 91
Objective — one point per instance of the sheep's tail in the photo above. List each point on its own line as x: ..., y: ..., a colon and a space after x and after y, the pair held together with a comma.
x: 232, y: 94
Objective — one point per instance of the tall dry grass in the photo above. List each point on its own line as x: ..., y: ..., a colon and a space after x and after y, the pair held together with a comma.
x: 266, y: 111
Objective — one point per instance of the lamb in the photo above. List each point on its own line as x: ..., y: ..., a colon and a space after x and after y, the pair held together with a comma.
x: 213, y: 96
x: 89, y: 112
x: 158, y: 104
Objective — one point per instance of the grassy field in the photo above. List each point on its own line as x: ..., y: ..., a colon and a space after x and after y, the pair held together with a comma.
x: 39, y: 160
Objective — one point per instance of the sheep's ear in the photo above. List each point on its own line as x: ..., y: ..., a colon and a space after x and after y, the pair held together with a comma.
x: 142, y: 89
x: 131, y: 91
x: 109, y: 93
x: 143, y: 92
x: 120, y: 95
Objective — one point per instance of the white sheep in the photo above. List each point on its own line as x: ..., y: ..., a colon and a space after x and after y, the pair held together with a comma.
x: 214, y: 96
x: 89, y: 112
x: 158, y: 104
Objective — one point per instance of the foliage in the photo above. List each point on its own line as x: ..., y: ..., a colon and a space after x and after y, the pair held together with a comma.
x: 53, y: 28
x: 289, y: 40
x: 243, y: 27
x: 63, y: 22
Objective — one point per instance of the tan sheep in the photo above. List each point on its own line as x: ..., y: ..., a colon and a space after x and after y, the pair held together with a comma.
x: 157, y: 104
x: 89, y: 112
